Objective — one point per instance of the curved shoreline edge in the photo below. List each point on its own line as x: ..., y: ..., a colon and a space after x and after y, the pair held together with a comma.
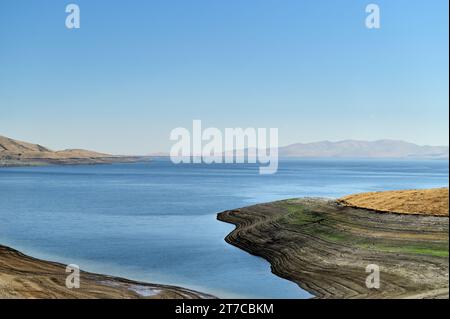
x: 22, y: 276
x: 325, y: 247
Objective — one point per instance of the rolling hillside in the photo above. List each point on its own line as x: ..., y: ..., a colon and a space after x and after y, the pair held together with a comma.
x: 19, y: 153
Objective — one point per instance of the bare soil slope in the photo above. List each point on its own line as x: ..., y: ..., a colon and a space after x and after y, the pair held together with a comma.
x: 22, y: 276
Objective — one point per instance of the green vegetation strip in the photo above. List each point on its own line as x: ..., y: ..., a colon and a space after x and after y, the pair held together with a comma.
x: 318, y: 224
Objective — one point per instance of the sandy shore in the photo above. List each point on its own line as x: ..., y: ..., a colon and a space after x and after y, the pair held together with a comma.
x: 325, y: 248
x: 22, y: 276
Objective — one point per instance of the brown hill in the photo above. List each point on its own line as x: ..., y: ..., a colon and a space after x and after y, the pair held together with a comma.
x: 8, y: 145
x: 19, y: 153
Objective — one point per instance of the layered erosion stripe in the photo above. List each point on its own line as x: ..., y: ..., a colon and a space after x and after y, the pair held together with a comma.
x: 22, y: 276
x: 325, y: 248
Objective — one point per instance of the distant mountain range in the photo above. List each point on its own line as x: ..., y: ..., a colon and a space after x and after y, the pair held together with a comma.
x: 14, y: 152
x: 365, y: 149
x: 359, y: 149
x: 18, y: 153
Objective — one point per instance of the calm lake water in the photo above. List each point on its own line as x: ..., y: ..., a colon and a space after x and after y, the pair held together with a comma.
x: 157, y: 221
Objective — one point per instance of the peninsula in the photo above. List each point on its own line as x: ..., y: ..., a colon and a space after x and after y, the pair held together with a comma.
x: 325, y: 245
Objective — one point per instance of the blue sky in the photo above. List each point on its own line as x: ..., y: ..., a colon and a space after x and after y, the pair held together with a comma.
x: 137, y: 69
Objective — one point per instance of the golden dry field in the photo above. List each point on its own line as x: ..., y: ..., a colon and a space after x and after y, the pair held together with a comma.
x: 418, y: 202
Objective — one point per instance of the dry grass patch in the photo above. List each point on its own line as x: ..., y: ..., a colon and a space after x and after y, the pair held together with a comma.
x: 419, y: 202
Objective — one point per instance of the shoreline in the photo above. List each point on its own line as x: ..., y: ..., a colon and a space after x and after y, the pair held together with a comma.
x: 23, y: 276
x: 324, y: 247
x: 39, y: 162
